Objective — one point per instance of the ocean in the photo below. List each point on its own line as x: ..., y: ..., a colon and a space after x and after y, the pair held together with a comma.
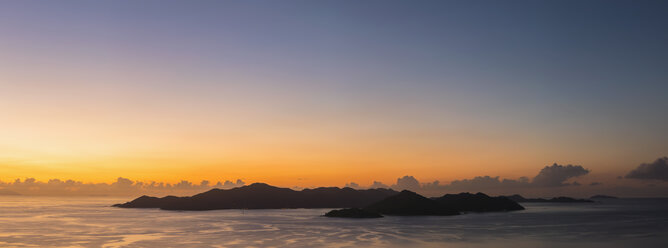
x: 91, y: 222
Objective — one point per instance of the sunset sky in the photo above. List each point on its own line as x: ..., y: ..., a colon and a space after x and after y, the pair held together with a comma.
x: 323, y: 93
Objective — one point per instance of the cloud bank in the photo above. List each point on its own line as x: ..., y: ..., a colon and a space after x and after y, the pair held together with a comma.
x: 550, y: 176
x: 485, y: 182
x: 554, y: 176
x: 407, y: 182
x: 121, y: 187
x: 657, y: 170
x: 553, y: 180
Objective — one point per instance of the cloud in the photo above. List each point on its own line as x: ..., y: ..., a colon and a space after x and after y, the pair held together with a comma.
x: 486, y: 182
x: 407, y: 182
x: 378, y: 185
x: 121, y: 187
x: 556, y: 175
x: 230, y: 184
x: 550, y: 176
x: 657, y: 170
x: 120, y: 182
x: 353, y: 185
x: 595, y: 183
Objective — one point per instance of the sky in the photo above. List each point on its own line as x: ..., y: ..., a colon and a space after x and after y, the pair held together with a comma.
x: 328, y: 93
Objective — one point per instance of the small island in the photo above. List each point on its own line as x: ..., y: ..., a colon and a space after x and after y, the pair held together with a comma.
x: 603, y: 197
x: 560, y: 199
x: 353, y: 213
x: 408, y: 203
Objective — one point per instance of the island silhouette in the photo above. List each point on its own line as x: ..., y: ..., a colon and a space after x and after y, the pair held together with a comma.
x: 366, y: 203
x: 560, y: 199
x: 264, y: 196
x: 408, y: 203
x: 479, y: 202
x: 597, y: 197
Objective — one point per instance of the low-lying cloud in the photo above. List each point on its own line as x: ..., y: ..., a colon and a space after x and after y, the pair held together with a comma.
x: 407, y: 182
x: 377, y: 184
x: 553, y: 176
x: 485, y: 182
x: 657, y: 170
x: 556, y: 175
x: 121, y: 187
x: 353, y: 185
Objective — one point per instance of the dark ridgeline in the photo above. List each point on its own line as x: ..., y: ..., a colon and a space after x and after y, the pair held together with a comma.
x: 561, y: 199
x: 410, y: 203
x: 263, y: 196
x: 467, y: 202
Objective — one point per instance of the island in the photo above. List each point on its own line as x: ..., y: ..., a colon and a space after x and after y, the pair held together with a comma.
x: 560, y: 199
x: 353, y: 213
x: 408, y: 203
x: 479, y: 202
x: 603, y: 197
x: 264, y: 196
x: 355, y: 203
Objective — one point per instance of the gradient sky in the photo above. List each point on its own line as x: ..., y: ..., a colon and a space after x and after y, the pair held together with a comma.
x: 327, y: 92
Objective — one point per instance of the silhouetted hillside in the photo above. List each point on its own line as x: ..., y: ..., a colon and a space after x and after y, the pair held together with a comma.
x: 466, y: 202
x: 263, y: 196
x: 561, y: 199
x: 409, y: 203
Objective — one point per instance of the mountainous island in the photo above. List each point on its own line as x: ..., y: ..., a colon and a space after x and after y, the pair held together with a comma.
x: 467, y: 202
x: 408, y: 203
x: 369, y: 203
x: 264, y: 196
